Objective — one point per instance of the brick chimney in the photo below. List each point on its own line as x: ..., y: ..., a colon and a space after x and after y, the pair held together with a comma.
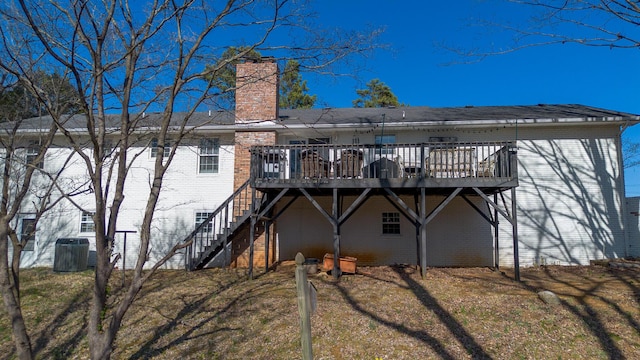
x: 256, y: 90
x: 256, y: 100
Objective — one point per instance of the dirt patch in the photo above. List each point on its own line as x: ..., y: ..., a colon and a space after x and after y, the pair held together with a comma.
x: 383, y: 312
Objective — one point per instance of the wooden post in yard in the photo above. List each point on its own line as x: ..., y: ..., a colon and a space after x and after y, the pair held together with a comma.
x: 304, y: 307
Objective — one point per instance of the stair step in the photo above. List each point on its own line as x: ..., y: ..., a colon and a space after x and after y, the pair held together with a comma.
x: 212, y: 243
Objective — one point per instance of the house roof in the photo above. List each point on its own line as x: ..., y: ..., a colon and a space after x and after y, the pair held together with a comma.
x: 78, y: 123
x: 468, y: 115
x: 356, y: 117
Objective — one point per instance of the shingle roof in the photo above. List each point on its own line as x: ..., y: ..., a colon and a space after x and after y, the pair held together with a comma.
x: 151, y: 120
x: 353, y: 117
x: 469, y: 114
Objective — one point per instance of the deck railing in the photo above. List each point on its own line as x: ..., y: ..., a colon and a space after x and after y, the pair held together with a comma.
x: 288, y: 163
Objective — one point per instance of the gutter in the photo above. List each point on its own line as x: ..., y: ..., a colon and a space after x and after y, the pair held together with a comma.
x: 275, y: 125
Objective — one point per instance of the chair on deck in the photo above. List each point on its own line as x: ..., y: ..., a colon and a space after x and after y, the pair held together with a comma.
x: 487, y: 167
x: 350, y: 164
x: 313, y: 165
x: 451, y: 163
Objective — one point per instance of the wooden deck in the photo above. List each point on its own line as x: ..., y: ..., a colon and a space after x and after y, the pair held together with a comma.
x: 490, y: 166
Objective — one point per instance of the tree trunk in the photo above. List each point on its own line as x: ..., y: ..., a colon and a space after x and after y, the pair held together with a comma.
x: 11, y: 299
x: 101, y: 345
x: 100, y: 341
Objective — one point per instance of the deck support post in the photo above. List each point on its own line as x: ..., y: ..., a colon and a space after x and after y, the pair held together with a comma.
x: 514, y: 225
x: 267, y: 229
x: 252, y: 232
x: 496, y: 241
x: 423, y: 232
x: 225, y: 242
x: 336, y: 236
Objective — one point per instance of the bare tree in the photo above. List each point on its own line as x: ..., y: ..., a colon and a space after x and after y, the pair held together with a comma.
x: 631, y: 153
x: 25, y: 187
x: 610, y: 24
x: 133, y: 59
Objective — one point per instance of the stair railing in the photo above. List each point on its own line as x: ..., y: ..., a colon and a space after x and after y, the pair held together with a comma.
x: 216, y: 228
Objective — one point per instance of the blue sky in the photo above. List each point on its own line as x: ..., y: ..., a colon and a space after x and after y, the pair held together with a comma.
x: 416, y: 65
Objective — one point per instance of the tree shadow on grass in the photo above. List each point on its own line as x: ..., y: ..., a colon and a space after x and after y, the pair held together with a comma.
x: 590, y: 315
x: 199, y: 306
x: 62, y: 351
x: 147, y: 350
x: 581, y: 288
x: 430, y: 303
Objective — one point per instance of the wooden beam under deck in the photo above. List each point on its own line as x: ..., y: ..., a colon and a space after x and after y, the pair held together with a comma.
x: 489, y: 186
x: 419, y: 216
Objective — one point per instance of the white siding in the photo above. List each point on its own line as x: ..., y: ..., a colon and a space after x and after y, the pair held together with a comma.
x: 569, y: 203
x: 184, y: 192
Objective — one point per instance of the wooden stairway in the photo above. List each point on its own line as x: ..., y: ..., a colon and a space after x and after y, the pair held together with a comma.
x: 214, y: 234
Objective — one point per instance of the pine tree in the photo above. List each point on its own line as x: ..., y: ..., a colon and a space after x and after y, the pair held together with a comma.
x: 377, y: 94
x: 293, y: 90
x: 223, y: 77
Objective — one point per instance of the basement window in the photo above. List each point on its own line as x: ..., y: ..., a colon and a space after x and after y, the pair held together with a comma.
x: 86, y: 222
x: 28, y: 233
x: 202, y: 217
x: 391, y: 223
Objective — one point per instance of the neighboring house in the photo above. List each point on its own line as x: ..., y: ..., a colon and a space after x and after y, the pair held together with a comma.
x: 415, y: 185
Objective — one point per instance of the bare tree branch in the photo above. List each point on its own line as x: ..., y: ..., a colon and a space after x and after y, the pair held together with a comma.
x: 130, y: 60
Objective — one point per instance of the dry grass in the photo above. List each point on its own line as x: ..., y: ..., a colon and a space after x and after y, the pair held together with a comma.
x: 383, y: 312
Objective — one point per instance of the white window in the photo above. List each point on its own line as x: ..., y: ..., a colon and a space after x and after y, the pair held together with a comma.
x: 32, y: 154
x: 319, y: 141
x: 323, y: 151
x: 86, y: 222
x: 202, y: 217
x: 108, y: 148
x: 28, y: 233
x: 209, y: 155
x: 166, y: 148
x: 390, y: 223
x: 385, y: 139
x: 385, y: 142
